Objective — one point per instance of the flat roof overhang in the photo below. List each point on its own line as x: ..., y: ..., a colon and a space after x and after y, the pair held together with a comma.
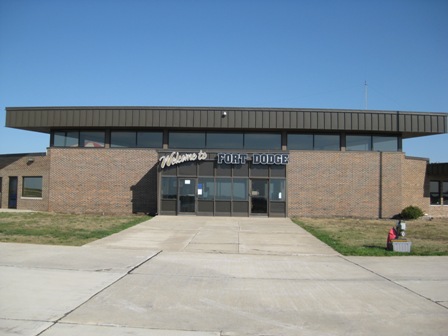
x: 407, y: 124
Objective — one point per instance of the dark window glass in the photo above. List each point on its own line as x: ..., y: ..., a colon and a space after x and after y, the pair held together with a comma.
x: 187, y: 169
x: 224, y: 170
x: 72, y: 139
x: 240, y: 191
x: 300, y: 141
x: 171, y: 170
x: 123, y: 139
x: 445, y: 193
x: 223, y: 188
x: 434, y: 192
x: 91, y: 139
x: 169, y: 187
x: 277, y: 190
x: 186, y: 140
x: 359, y: 142
x: 206, y: 188
x: 32, y: 187
x: 263, y: 141
x: 225, y: 140
x: 206, y: 168
x: 259, y: 170
x: 278, y: 171
x: 150, y: 139
x: 59, y: 139
x: 326, y: 142
x: 66, y: 139
x: 241, y: 170
x: 385, y: 144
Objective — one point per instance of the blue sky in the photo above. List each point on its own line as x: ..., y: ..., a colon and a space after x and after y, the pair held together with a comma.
x: 243, y: 53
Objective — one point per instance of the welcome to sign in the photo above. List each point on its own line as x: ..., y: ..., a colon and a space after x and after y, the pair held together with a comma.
x: 176, y: 158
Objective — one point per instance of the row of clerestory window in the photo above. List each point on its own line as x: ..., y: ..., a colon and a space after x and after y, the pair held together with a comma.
x: 224, y: 140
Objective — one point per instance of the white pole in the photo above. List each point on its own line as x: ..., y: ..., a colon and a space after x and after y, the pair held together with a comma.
x: 366, y: 94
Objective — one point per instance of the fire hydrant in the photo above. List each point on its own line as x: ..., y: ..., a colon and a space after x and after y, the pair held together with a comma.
x: 396, y: 240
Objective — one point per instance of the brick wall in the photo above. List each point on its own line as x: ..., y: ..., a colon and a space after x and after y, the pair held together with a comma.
x: 21, y: 165
x: 320, y: 183
x: 415, y: 185
x: 85, y: 180
x: 346, y: 184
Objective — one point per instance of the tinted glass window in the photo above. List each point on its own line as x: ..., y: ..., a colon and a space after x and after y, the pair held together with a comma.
x: 186, y: 140
x: 223, y: 170
x: 277, y: 190
x: 59, y: 139
x: 72, y: 139
x: 262, y: 141
x: 223, y: 189
x: 259, y: 170
x: 278, y: 171
x: 206, y: 168
x: 240, y: 191
x: 123, y: 139
x: 359, y: 142
x: 66, y: 139
x: 206, y: 188
x: 300, y: 141
x: 32, y: 187
x: 150, y: 139
x: 241, y: 170
x: 385, y: 144
x: 445, y: 193
x: 326, y: 142
x: 91, y: 139
x: 187, y: 168
x: 225, y: 140
x: 434, y: 192
x: 169, y: 187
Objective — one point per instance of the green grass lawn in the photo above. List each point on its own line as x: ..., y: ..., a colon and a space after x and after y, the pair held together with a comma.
x: 363, y: 237
x: 61, y: 229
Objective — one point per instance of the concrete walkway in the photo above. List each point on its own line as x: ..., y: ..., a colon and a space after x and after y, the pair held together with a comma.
x: 193, y: 276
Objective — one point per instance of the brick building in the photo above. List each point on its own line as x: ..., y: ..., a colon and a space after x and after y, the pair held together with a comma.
x: 224, y: 162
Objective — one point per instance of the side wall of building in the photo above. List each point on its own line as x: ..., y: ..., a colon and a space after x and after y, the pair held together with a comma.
x: 415, y: 183
x: 437, y: 172
x: 20, y: 166
x: 112, y: 181
x: 344, y: 184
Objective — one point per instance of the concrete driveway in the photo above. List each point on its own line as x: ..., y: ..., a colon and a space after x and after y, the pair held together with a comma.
x: 217, y: 276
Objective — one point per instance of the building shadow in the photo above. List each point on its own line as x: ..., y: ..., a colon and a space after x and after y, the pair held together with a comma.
x: 144, y: 193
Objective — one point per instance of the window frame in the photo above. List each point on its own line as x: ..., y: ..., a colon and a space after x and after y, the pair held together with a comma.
x: 24, y: 195
x: 437, y: 199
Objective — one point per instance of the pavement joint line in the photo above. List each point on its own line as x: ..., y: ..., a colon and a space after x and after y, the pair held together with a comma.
x: 192, y: 238
x: 239, y: 234
x: 256, y: 278
x: 395, y: 283
x: 100, y: 291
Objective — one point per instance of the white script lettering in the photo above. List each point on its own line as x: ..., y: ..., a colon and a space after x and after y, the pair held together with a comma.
x: 175, y: 158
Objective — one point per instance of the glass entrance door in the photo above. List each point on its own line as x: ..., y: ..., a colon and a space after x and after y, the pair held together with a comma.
x: 187, y: 195
x: 259, y: 196
x: 12, y: 193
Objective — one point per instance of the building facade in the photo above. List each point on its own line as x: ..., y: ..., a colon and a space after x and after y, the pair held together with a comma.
x: 224, y: 162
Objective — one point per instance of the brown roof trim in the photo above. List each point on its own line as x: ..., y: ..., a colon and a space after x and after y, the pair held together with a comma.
x: 408, y: 124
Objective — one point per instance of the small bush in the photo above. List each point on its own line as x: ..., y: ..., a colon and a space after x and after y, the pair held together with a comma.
x: 412, y: 212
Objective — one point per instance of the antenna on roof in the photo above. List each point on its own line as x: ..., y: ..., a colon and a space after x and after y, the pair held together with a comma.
x: 366, y: 93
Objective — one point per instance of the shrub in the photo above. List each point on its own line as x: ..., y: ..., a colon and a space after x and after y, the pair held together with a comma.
x: 412, y: 212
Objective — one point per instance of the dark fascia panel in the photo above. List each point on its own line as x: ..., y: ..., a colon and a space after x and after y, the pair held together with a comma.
x: 408, y: 124
x: 438, y: 169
